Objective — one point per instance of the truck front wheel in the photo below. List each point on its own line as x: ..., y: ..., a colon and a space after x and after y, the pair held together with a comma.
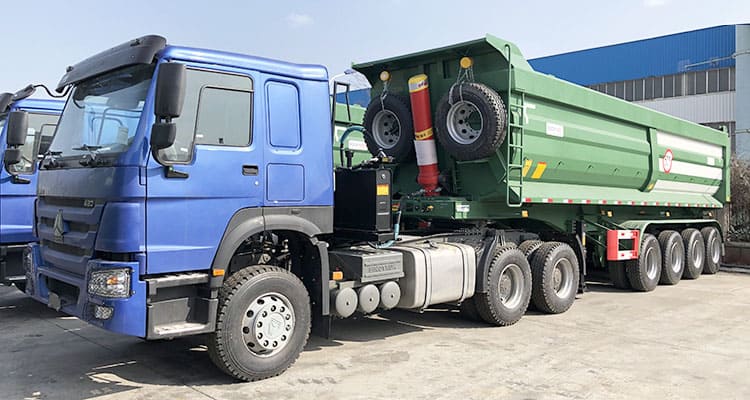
x: 263, y: 323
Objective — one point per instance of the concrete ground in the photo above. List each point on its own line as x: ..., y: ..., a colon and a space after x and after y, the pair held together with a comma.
x: 680, y: 342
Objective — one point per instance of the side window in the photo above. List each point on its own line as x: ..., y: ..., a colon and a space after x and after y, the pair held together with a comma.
x: 217, y: 111
x: 40, y: 131
x: 223, y: 117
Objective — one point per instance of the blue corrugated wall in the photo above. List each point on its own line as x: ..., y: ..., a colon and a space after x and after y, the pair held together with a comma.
x: 658, y: 56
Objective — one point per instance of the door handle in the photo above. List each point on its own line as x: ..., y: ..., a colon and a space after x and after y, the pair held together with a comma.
x: 251, y: 170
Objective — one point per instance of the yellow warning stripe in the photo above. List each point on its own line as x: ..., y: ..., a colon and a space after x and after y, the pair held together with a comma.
x: 423, y: 135
x: 540, y: 167
x: 526, y: 167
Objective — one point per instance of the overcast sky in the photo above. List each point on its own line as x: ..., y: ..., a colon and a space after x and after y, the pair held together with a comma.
x: 42, y: 37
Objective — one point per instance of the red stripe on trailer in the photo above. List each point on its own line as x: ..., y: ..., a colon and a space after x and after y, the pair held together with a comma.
x: 585, y: 201
x: 546, y: 200
x: 644, y: 203
x: 602, y: 201
x: 618, y: 202
x: 568, y: 201
x: 656, y: 203
x: 614, y: 236
x: 527, y: 200
x: 631, y: 202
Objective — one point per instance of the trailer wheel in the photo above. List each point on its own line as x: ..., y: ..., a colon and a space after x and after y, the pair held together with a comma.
x: 695, y: 253
x: 470, y: 121
x: 618, y: 276
x: 262, y: 325
x: 713, y: 250
x: 509, y: 288
x: 389, y: 126
x: 673, y: 257
x: 554, y: 277
x: 645, y: 272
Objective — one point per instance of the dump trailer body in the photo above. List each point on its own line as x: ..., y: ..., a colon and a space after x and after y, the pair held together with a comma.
x: 571, y: 145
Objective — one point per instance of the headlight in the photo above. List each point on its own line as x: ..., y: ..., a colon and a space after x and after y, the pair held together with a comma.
x: 110, y: 282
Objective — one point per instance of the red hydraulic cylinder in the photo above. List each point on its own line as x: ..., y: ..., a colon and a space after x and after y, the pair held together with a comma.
x: 424, y: 141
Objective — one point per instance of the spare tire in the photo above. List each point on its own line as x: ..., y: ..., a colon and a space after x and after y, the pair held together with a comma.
x: 389, y: 127
x: 470, y: 121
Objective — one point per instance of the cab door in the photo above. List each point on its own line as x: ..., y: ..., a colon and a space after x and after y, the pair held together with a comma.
x: 17, y: 204
x: 215, y: 169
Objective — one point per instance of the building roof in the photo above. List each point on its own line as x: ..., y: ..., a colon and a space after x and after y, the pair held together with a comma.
x: 664, y: 55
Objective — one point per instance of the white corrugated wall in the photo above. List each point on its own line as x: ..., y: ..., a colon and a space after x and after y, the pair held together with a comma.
x: 702, y: 108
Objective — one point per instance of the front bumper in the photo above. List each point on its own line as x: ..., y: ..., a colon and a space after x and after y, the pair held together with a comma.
x: 68, y: 292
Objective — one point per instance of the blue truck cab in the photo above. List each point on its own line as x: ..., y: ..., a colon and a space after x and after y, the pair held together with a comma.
x: 171, y: 169
x: 18, y: 181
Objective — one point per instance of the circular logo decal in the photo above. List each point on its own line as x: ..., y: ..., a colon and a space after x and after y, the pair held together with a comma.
x: 666, y: 162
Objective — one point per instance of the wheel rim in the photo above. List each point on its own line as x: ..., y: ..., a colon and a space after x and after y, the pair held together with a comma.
x: 465, y: 122
x: 676, y: 258
x: 386, y: 129
x: 510, y: 286
x: 715, y: 249
x: 562, y: 278
x: 651, y: 264
x: 697, y: 255
x: 268, y: 324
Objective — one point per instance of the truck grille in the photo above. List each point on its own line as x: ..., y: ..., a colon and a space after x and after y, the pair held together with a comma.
x: 69, y: 246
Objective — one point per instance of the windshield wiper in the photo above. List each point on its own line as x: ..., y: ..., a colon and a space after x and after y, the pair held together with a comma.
x: 91, y: 159
x: 88, y: 147
x: 52, y: 163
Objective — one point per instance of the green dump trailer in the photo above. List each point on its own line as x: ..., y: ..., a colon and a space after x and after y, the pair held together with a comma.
x: 632, y: 191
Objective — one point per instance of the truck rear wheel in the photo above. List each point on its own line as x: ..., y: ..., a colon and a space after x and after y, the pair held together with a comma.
x: 554, y: 277
x: 713, y: 250
x: 618, y: 276
x: 695, y: 253
x: 389, y: 126
x: 528, y: 247
x: 262, y: 324
x: 673, y: 257
x: 470, y: 121
x: 645, y: 272
x: 509, y: 288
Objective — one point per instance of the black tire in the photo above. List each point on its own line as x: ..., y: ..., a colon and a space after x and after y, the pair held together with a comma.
x: 463, y: 138
x: 259, y: 286
x: 672, y: 257
x: 645, y: 272
x: 554, y: 277
x: 508, y: 268
x: 695, y: 253
x: 380, y: 133
x: 618, y: 276
x: 712, y: 241
x: 468, y: 310
x: 528, y: 247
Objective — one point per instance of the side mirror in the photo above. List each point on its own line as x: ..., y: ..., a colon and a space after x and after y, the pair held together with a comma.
x: 5, y: 100
x: 163, y: 135
x: 16, y: 130
x: 170, y: 90
x: 11, y: 157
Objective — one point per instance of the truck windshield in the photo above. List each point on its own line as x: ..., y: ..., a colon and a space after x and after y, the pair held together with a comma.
x: 102, y: 113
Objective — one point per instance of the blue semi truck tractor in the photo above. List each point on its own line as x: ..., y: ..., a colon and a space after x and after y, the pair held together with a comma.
x: 18, y: 181
x: 191, y: 191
